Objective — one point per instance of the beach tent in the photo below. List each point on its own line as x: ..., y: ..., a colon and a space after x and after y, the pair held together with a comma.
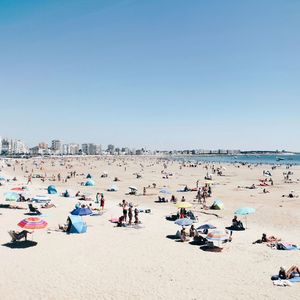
x: 90, y: 182
x: 113, y: 188
x: 52, y: 189
x: 89, y: 176
x: 76, y: 225
x: 218, y: 204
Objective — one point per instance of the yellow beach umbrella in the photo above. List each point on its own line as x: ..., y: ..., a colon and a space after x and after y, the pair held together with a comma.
x: 183, y: 204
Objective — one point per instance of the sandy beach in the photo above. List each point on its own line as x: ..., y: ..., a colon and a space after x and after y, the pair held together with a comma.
x: 108, y: 262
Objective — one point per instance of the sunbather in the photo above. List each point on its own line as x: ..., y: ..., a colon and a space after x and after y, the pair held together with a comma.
x: 17, y: 235
x: 290, y: 273
x: 11, y: 206
x: 265, y: 239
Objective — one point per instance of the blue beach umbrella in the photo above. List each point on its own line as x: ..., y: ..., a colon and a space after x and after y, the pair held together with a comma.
x: 184, y: 222
x: 2, y: 178
x: 244, y: 211
x: 81, y: 211
x: 11, y: 196
x: 206, y: 227
x: 165, y: 191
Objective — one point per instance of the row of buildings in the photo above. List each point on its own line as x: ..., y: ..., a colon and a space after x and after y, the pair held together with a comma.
x: 57, y: 147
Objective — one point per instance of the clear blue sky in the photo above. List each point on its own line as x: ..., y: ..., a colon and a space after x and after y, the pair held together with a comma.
x: 155, y: 73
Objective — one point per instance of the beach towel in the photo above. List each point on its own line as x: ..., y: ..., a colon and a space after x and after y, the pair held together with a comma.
x: 296, y: 278
x: 287, y: 246
x: 282, y: 283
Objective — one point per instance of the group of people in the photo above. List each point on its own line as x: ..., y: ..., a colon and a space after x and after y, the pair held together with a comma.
x: 128, y: 213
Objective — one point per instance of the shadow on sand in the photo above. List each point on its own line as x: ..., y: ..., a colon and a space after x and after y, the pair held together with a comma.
x: 20, y: 244
x: 211, y: 249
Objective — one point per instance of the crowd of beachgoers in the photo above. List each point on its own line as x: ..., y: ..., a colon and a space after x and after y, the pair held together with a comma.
x: 220, y: 209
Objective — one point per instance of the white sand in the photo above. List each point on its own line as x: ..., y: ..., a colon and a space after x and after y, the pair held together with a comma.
x: 127, y: 263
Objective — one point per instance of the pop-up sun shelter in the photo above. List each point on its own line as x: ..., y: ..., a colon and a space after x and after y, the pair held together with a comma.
x: 90, y: 182
x: 52, y: 189
x: 76, y: 225
x: 218, y: 204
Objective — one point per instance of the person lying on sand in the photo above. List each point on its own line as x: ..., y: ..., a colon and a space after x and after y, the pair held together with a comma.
x: 290, y: 273
x: 11, y: 206
x: 265, y: 239
x: 64, y: 227
x: 251, y: 187
x: 291, y: 195
x: 48, y: 205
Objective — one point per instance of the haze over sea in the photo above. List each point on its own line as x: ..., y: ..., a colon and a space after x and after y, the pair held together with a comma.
x: 252, y: 159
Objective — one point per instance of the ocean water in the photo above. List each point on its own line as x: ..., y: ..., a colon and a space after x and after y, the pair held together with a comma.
x: 251, y: 159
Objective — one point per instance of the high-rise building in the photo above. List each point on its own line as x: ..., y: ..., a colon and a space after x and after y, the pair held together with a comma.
x: 56, y: 146
x: 91, y: 149
x: 43, y: 146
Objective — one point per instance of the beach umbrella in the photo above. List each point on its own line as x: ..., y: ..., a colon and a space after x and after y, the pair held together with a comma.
x: 17, y: 189
x: 244, y: 211
x: 183, y: 204
x: 217, y: 235
x: 133, y: 188
x: 184, y: 222
x: 113, y: 188
x: 2, y: 178
x: 33, y: 223
x: 206, y: 227
x: 11, y: 196
x: 165, y: 191
x: 81, y: 211
x: 208, y: 181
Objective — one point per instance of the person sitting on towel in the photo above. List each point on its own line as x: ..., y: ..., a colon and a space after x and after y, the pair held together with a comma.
x: 236, y: 223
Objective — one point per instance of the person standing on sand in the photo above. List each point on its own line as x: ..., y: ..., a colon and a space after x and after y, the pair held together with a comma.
x: 102, y: 201
x: 136, y: 216
x: 124, y: 206
x: 29, y: 179
x: 130, y: 215
x: 97, y: 198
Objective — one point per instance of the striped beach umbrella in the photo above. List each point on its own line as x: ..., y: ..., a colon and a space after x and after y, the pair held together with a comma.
x: 33, y: 223
x: 217, y: 235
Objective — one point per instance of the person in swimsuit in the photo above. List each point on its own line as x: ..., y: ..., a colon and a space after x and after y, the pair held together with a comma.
x: 124, y: 206
x: 290, y: 273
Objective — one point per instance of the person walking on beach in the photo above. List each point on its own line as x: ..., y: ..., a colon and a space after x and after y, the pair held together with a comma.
x: 102, y: 201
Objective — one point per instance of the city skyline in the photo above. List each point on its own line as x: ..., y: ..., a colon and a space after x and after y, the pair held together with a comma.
x: 154, y: 74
